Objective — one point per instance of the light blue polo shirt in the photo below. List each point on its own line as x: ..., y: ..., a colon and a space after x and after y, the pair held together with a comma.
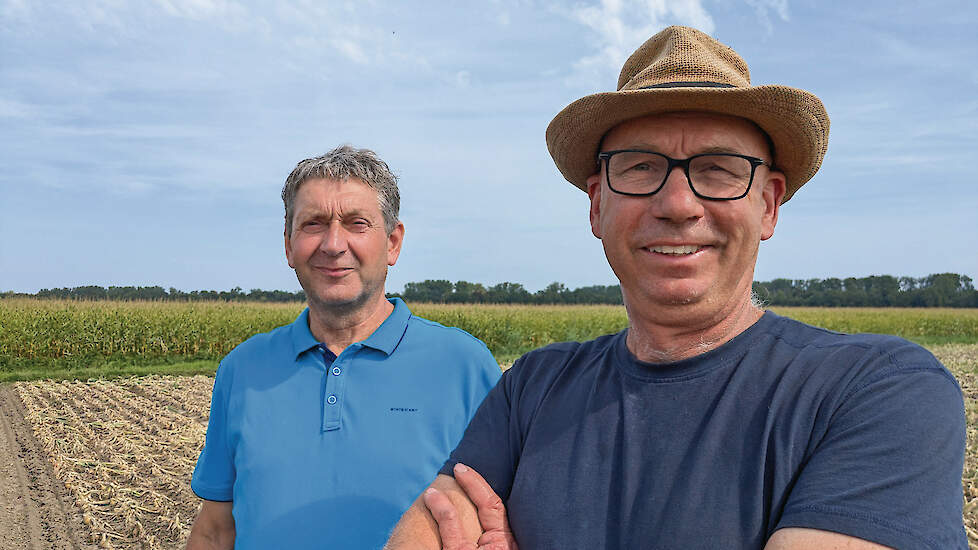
x: 320, y: 454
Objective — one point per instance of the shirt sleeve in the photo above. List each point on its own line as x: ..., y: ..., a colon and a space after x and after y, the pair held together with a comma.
x: 213, y: 477
x: 492, y: 443
x: 487, y: 375
x: 888, y: 468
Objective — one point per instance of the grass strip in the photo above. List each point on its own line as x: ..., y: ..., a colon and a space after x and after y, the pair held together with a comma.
x: 110, y: 371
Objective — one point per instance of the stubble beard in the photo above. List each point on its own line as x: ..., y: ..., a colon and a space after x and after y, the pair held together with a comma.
x: 342, y: 307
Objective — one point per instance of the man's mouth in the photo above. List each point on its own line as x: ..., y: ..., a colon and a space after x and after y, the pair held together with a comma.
x: 334, y: 270
x: 681, y: 250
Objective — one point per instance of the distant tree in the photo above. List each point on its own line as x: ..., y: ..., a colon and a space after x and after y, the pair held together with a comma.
x: 437, y: 291
x: 508, y: 293
x: 596, y: 294
x: 469, y: 293
x: 555, y: 293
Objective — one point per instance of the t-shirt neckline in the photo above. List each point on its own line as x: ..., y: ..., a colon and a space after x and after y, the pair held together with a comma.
x: 678, y: 371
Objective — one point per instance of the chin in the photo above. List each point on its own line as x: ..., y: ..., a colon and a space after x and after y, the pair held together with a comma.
x: 680, y: 293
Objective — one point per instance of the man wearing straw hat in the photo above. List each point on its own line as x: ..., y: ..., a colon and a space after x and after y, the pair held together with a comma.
x: 708, y: 422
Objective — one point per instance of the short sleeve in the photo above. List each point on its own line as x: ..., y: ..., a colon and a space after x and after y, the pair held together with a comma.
x: 213, y: 477
x: 888, y: 468
x: 486, y: 377
x: 491, y: 443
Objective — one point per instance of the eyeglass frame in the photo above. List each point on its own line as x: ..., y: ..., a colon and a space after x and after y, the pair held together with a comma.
x: 684, y: 164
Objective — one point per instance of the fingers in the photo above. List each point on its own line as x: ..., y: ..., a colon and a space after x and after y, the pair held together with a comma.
x: 449, y: 524
x: 497, y: 540
x: 492, y: 512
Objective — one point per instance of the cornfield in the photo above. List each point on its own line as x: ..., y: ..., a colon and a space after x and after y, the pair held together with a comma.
x: 64, y: 335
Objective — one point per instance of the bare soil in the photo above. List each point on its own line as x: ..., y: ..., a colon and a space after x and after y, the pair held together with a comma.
x: 36, y: 510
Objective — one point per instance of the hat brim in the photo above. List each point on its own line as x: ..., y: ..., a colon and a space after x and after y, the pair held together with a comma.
x: 794, y: 119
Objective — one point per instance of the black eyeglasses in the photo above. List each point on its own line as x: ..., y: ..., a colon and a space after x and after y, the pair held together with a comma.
x: 711, y: 176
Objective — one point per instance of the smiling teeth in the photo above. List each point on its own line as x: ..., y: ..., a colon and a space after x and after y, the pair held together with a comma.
x: 676, y: 250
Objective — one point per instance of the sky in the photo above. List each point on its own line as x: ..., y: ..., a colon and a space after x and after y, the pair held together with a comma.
x: 146, y: 143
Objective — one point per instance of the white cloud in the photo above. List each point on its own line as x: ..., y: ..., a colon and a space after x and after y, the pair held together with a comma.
x: 623, y: 25
x: 762, y: 9
x: 312, y: 28
x: 350, y: 48
x: 200, y: 9
x: 14, y: 9
x: 10, y: 108
x: 463, y: 79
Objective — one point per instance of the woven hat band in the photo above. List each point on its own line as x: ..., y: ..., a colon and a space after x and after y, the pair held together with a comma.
x: 687, y: 85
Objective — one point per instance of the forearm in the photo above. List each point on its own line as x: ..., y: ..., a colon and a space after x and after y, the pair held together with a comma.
x: 418, y: 530
x: 214, y: 527
x: 211, y: 541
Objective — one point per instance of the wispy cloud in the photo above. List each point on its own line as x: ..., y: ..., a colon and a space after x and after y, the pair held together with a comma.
x: 622, y: 25
x: 201, y: 9
x: 763, y: 9
x: 10, y: 108
x: 337, y: 29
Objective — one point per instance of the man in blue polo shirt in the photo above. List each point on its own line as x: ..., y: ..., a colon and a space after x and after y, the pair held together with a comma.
x: 324, y: 431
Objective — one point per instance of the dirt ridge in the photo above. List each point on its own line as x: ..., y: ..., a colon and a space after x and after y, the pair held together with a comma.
x: 36, y: 511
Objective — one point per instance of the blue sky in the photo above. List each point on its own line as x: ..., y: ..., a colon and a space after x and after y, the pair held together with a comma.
x: 146, y: 143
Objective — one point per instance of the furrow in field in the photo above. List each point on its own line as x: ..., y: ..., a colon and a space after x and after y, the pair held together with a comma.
x: 130, y: 480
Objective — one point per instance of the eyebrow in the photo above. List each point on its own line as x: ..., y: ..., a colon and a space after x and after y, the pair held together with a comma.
x: 719, y: 149
x: 341, y: 213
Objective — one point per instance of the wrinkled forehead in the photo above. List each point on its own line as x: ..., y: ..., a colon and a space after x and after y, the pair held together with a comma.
x: 690, y: 129
x: 326, y: 192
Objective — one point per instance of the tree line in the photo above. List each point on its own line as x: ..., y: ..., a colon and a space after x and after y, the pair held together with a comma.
x: 937, y: 290
x: 158, y: 293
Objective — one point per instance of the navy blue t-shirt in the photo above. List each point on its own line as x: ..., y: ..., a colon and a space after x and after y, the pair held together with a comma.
x: 786, y: 425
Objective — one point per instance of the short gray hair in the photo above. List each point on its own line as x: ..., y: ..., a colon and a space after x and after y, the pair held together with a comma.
x: 341, y: 164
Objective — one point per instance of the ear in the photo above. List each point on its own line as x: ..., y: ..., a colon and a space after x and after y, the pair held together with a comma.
x: 288, y: 250
x: 774, y: 189
x: 394, y: 241
x: 594, y: 193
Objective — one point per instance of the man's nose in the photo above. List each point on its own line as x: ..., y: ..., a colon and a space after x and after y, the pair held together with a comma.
x: 675, y: 201
x: 334, y: 239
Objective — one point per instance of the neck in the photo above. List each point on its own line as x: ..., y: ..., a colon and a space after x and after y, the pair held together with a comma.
x: 338, y: 329
x: 656, y: 338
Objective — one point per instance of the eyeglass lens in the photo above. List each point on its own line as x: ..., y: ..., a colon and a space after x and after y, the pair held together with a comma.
x: 715, y: 176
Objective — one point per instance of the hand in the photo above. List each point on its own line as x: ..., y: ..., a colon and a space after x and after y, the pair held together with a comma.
x: 492, y: 514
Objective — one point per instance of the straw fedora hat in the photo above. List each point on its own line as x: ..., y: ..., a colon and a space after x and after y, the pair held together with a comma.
x: 683, y: 69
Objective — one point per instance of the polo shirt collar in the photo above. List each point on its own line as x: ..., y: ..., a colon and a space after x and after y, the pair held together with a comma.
x: 302, y: 338
x: 389, y: 333
x: 384, y: 339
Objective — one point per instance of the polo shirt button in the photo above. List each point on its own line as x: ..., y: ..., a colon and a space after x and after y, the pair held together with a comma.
x: 336, y: 371
x: 331, y: 399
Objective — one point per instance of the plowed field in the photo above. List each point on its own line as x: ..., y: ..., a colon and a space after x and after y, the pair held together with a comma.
x: 116, y: 459
x: 105, y: 464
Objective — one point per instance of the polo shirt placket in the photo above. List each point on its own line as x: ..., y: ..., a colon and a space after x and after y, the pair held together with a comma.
x: 335, y: 381
x: 337, y: 368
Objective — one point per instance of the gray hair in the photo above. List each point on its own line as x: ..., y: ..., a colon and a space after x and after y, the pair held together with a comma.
x: 342, y: 164
x: 757, y: 302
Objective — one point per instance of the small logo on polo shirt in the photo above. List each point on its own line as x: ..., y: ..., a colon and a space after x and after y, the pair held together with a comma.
x: 404, y: 409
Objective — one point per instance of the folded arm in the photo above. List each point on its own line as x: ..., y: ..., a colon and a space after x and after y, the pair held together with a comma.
x: 460, y: 513
x: 795, y: 538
